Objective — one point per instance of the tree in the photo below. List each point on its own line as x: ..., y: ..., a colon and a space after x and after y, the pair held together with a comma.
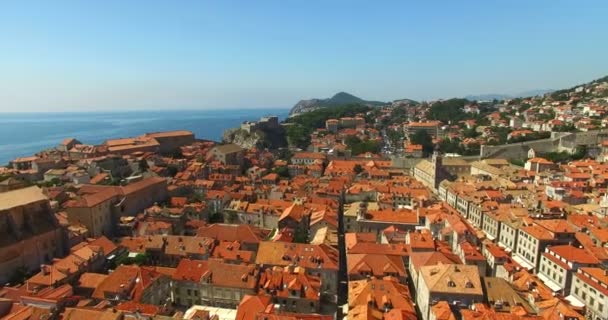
x: 395, y: 136
x: 299, y: 136
x: 20, y: 274
x: 172, y: 170
x: 518, y: 162
x: 450, y: 146
x: 422, y: 137
x: 232, y: 217
x: 124, y: 259
x: 176, y: 154
x: 470, y: 133
x: 282, y: 171
x: 298, y: 133
x: 140, y: 259
x: 565, y: 128
x: 216, y: 217
x: 358, y: 146
x: 143, y: 165
x: 448, y: 111
x: 358, y: 168
x: 300, y: 235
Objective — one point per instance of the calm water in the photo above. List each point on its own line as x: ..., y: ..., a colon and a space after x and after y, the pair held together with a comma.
x: 23, y: 134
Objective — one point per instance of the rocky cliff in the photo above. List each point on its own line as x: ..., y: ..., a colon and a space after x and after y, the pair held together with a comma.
x: 272, y: 138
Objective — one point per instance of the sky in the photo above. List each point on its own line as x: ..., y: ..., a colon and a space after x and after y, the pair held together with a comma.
x: 128, y: 55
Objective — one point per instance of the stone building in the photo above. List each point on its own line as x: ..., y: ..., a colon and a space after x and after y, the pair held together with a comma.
x: 99, y: 207
x: 169, y: 141
x: 230, y: 154
x: 213, y: 282
x: 30, y: 235
x: 459, y: 285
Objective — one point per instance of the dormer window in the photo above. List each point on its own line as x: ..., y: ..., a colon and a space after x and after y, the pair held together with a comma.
x: 451, y: 283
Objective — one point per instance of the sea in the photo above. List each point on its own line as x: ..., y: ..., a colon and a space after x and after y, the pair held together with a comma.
x: 24, y: 134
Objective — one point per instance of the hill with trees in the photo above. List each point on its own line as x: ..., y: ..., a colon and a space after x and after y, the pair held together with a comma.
x: 339, y: 99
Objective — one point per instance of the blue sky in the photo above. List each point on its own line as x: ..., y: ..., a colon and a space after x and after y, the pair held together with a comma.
x: 97, y: 55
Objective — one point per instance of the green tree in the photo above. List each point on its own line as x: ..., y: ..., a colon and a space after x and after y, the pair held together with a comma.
x: 358, y: 146
x: 565, y: 128
x: 20, y: 274
x: 172, y: 170
x: 518, y: 162
x: 450, y: 146
x: 358, y: 168
x: 281, y: 171
x: 232, y: 217
x: 143, y: 165
x: 140, y: 259
x: 448, y: 110
x: 300, y: 235
x: 216, y: 217
x: 470, y: 133
x: 422, y: 137
x: 299, y: 136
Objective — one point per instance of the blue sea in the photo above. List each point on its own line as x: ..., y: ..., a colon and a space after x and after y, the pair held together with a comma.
x: 23, y: 134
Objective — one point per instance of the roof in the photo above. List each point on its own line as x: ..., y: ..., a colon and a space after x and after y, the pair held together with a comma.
x: 106, y: 244
x: 232, y: 232
x: 93, y: 199
x: 424, y: 124
x: 21, y: 197
x: 192, y: 270
x: 217, y: 272
x: 381, y: 292
x: 133, y: 307
x: 296, y: 212
x: 309, y: 155
x: 91, y: 280
x: 425, y: 166
x: 540, y: 161
x: 431, y: 258
x: 556, y: 225
x: 442, y: 311
x: 452, y: 279
x: 538, y: 232
x: 250, y: 305
x: 378, y: 265
x: 142, y: 184
x: 454, y: 161
x: 498, y: 290
x: 305, y: 255
x: 596, y: 277
x: 134, y: 279
x: 165, y: 134
x: 280, y: 281
x: 87, y: 314
x: 228, y: 148
x: 401, y: 216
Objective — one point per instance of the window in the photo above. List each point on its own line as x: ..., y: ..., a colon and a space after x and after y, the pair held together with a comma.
x: 189, y: 292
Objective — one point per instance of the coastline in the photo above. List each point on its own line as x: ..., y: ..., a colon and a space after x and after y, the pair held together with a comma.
x: 24, y: 134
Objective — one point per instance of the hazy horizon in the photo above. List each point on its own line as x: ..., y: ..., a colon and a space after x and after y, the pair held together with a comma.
x: 72, y: 56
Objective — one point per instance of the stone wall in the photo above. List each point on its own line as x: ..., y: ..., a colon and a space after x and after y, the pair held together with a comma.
x: 559, y: 141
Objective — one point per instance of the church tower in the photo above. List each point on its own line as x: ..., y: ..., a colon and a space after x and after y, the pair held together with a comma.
x: 437, y: 170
